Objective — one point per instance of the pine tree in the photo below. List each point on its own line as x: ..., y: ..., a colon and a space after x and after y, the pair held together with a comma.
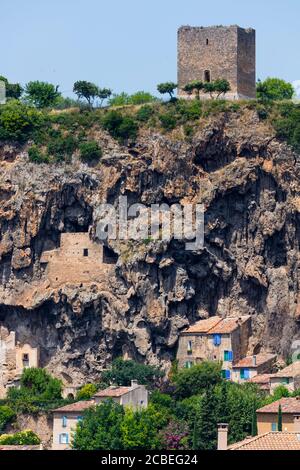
x: 279, y: 426
x: 208, y: 421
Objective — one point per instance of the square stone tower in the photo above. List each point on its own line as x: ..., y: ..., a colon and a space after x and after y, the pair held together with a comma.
x: 209, y: 53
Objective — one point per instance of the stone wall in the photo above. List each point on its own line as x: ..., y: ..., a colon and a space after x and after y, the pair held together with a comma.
x: 224, y: 52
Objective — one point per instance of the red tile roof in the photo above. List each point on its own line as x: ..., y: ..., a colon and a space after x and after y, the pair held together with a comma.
x: 260, y: 360
x: 113, y: 392
x: 75, y: 407
x: 288, y: 405
x: 217, y: 325
x: 270, y: 441
x: 261, y: 379
x: 20, y: 447
x: 203, y: 326
x: 291, y: 371
x: 229, y: 325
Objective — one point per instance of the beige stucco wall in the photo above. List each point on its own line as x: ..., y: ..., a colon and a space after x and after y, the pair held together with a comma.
x: 137, y: 398
x: 33, y: 355
x: 277, y: 381
x: 58, y: 428
x: 265, y: 420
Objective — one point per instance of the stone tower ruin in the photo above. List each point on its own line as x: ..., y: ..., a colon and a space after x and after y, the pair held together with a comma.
x: 209, y: 53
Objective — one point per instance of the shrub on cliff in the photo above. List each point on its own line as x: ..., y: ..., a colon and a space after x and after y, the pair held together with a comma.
x: 86, y: 392
x: 190, y: 382
x: 122, y: 372
x: 287, y: 124
x: 36, y: 385
x: 90, y: 151
x: 36, y: 155
x: 140, y: 97
x: 122, y: 128
x: 26, y: 437
x: 62, y: 147
x: 274, y: 89
x: 18, y: 121
x: 6, y: 415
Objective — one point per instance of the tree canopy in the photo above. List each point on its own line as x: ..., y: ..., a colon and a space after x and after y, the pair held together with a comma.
x: 42, y: 94
x: 122, y: 372
x: 274, y: 89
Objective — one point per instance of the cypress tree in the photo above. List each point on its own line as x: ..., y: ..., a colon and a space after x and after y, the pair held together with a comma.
x: 254, y: 422
x: 279, y: 426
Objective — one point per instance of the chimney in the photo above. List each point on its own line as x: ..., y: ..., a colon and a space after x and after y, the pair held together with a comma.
x: 222, y: 436
x: 297, y: 423
x: 134, y: 383
x: 254, y: 361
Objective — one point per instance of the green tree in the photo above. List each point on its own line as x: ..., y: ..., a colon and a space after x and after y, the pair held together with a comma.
x: 36, y: 384
x: 26, y: 437
x: 6, y: 415
x: 274, y: 89
x: 86, y: 392
x: 141, y: 428
x: 280, y: 392
x: 86, y: 90
x: 101, y: 428
x: 208, y: 422
x: 167, y: 88
x: 120, y: 127
x: 42, y: 94
x: 254, y: 423
x: 279, y: 419
x: 218, y: 87
x: 192, y: 381
x: 122, y: 372
x: 195, y: 86
x: 90, y: 151
x: 13, y: 90
x: 103, y: 94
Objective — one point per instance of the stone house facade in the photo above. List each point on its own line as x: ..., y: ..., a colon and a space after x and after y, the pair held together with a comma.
x: 249, y: 367
x: 215, y: 339
x: 78, y: 260
x: 14, y: 358
x: 66, y: 418
x: 218, y: 52
x: 289, y: 377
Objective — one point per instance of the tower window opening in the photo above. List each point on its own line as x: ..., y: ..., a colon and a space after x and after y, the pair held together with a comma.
x: 85, y: 252
x: 207, y: 77
x: 207, y: 42
x: 25, y: 360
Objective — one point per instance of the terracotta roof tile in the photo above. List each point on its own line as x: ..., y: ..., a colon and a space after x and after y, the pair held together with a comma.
x: 260, y: 360
x: 270, y: 441
x: 21, y: 447
x: 290, y: 371
x: 203, y: 326
x: 113, y: 392
x: 261, y: 379
x: 77, y: 406
x: 228, y: 325
x: 288, y: 405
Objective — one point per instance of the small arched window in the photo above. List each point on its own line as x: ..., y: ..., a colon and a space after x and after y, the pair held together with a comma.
x: 207, y: 77
x: 207, y: 42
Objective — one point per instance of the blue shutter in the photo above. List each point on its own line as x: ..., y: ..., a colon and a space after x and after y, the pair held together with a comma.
x: 230, y: 356
x: 274, y: 427
x: 228, y: 375
x: 246, y: 374
x: 64, y: 421
x: 217, y: 340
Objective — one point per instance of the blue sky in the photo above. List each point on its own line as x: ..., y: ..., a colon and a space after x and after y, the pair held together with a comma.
x: 131, y: 44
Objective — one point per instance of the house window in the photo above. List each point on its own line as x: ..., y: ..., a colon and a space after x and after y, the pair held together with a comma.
x: 228, y: 356
x: 79, y: 419
x: 25, y: 360
x: 64, y: 438
x: 85, y: 252
x: 245, y: 374
x: 190, y: 347
x: 207, y: 42
x: 274, y: 427
x: 285, y: 381
x: 226, y: 374
x: 189, y: 364
x: 217, y: 340
x: 64, y: 421
x: 207, y: 77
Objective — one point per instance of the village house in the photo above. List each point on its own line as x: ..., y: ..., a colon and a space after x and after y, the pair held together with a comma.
x: 66, y: 418
x: 267, y: 417
x: 215, y: 339
x: 289, y: 377
x: 251, y: 366
x: 14, y: 358
x: 263, y: 381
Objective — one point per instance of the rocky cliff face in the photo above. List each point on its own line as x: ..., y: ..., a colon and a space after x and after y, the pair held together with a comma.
x: 249, y: 184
